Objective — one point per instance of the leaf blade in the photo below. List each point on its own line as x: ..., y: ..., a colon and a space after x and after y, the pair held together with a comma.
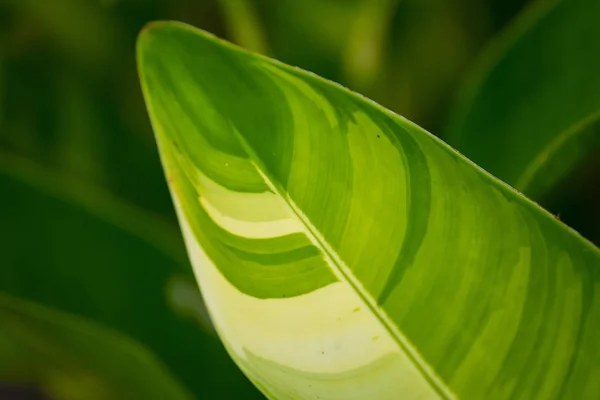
x: 293, y: 123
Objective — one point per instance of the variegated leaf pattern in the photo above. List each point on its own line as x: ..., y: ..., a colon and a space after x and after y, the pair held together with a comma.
x: 345, y: 253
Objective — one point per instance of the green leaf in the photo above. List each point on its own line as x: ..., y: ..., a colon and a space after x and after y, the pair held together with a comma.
x: 76, y: 248
x: 344, y: 252
x: 70, y: 358
x: 532, y: 111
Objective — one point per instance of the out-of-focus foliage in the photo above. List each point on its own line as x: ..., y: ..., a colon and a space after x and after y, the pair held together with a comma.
x: 70, y: 104
x: 533, y: 110
x: 68, y: 358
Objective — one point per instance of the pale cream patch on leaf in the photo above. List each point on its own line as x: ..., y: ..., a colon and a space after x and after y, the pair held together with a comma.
x: 315, y: 333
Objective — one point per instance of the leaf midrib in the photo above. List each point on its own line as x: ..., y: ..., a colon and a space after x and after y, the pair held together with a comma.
x: 344, y: 273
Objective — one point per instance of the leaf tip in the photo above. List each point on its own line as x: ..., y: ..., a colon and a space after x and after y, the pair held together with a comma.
x: 157, y: 30
x: 148, y: 30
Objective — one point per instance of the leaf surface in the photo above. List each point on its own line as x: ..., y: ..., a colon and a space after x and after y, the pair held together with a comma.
x: 531, y: 113
x: 345, y: 253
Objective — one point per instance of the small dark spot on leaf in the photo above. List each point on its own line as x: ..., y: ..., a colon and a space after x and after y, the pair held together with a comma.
x: 378, y: 136
x: 322, y: 352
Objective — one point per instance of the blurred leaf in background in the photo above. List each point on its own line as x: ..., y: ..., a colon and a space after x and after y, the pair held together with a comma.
x: 530, y: 113
x: 243, y: 25
x: 64, y: 357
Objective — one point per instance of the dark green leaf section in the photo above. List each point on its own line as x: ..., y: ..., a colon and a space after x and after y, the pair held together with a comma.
x: 501, y: 300
x: 418, y: 208
x: 210, y: 146
x: 215, y: 144
x: 526, y: 115
x: 77, y: 250
x: 70, y: 358
x: 279, y: 267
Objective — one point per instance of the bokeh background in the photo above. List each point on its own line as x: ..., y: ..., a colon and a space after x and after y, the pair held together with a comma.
x: 87, y: 228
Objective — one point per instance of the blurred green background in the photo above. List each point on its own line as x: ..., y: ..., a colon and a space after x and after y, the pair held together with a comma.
x: 88, y: 233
